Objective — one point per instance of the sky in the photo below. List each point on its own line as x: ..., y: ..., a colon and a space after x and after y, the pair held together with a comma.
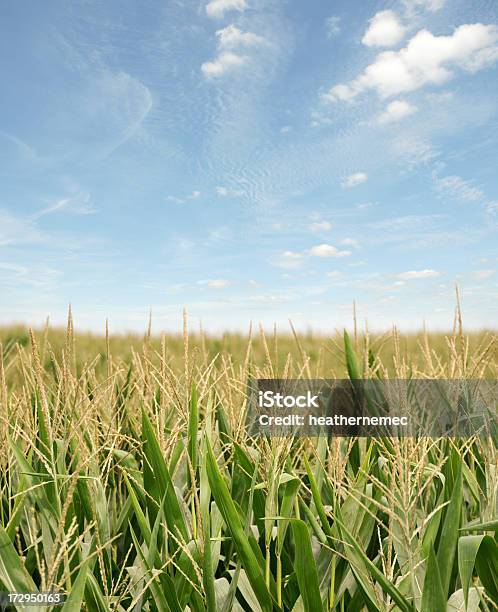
x: 251, y: 160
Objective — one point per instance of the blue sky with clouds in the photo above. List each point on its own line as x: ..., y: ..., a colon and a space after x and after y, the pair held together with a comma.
x: 249, y: 159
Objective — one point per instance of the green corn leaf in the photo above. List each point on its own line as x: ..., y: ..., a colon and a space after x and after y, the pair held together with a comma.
x: 161, y: 483
x: 468, y: 547
x: 487, y: 567
x: 449, y: 532
x: 231, y: 517
x: 305, y: 567
x: 433, y: 598
x: 373, y: 570
x: 351, y: 363
x: 13, y: 574
x: 74, y: 602
x: 290, y: 488
x: 488, y: 526
x: 154, y: 586
x: 317, y: 499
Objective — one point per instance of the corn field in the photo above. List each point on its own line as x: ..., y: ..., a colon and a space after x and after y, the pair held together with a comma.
x: 129, y: 482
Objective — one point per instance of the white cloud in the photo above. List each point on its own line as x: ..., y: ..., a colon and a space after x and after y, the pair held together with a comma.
x: 292, y: 255
x: 290, y: 259
x: 38, y: 276
x: 231, y: 37
x: 16, y: 230
x: 270, y: 298
x: 14, y: 268
x: 225, y: 62
x: 384, y: 30
x: 482, y: 274
x: 426, y: 60
x: 492, y: 208
x: 193, y: 196
x: 396, y: 110
x: 320, y: 226
x: 430, y: 5
x: 352, y: 242
x: 225, y: 192
x: 332, y: 26
x: 218, y: 8
x: 459, y: 189
x: 79, y: 204
x: 111, y: 106
x: 216, y: 283
x: 327, y: 250
x: 334, y: 274
x: 413, y: 274
x: 357, y: 178
x: 285, y: 129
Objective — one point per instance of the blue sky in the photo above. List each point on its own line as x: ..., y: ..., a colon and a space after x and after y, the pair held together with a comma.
x: 251, y: 160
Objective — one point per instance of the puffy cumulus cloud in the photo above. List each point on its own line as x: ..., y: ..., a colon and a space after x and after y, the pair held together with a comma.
x: 426, y: 60
x: 357, y: 178
x: 231, y: 37
x: 218, y: 8
x: 414, y: 274
x: 327, y: 250
x: 384, y: 30
x: 223, y: 63
x: 397, y: 110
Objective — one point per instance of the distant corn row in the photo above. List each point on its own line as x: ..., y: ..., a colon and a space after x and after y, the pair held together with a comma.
x: 128, y: 481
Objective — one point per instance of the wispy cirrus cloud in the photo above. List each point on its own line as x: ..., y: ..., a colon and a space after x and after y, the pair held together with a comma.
x: 78, y: 204
x: 216, y: 283
x: 456, y: 187
x: 417, y: 274
x: 19, y: 230
x: 228, y: 192
x: 430, y: 5
x: 333, y: 26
